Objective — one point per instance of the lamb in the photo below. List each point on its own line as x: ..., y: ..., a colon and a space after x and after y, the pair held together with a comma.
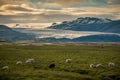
x: 5, y: 68
x: 30, y: 61
x: 112, y: 65
x: 68, y: 61
x: 19, y: 62
x: 92, y: 66
x: 99, y: 66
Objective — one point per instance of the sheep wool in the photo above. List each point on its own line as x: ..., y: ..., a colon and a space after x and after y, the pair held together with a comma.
x: 5, y: 68
x: 30, y: 61
x: 99, y: 66
x: 68, y: 60
x: 112, y: 65
x: 92, y: 66
x: 19, y: 62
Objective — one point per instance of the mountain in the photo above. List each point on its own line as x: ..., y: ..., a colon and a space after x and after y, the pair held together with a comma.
x: 90, y: 24
x: 8, y: 34
x: 90, y: 38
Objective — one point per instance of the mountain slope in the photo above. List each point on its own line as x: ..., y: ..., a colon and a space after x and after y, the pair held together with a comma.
x: 8, y: 34
x: 90, y: 24
x: 98, y: 38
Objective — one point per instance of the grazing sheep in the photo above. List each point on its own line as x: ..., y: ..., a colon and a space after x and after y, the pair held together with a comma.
x: 92, y: 66
x: 30, y: 61
x: 68, y: 61
x: 112, y: 65
x: 19, y: 62
x: 99, y: 66
x: 5, y: 68
x: 52, y: 66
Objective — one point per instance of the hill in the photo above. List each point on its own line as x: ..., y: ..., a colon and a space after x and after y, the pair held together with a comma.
x: 8, y: 34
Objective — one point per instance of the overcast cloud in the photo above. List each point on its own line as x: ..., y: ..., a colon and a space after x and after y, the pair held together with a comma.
x: 44, y: 11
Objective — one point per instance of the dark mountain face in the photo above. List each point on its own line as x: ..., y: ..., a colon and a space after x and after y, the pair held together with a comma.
x: 90, y: 24
x: 8, y: 34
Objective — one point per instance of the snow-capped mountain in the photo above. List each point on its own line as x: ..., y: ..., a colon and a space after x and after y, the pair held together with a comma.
x: 90, y: 24
x: 91, y: 20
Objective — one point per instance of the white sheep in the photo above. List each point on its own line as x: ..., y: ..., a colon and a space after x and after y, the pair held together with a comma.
x: 19, y: 62
x: 5, y: 68
x: 30, y: 61
x: 68, y: 61
x: 99, y: 66
x: 92, y: 66
x: 112, y: 65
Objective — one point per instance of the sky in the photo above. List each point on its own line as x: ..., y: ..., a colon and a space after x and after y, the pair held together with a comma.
x: 49, y: 11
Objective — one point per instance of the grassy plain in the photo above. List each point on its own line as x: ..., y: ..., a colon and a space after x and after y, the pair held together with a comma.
x: 82, y: 56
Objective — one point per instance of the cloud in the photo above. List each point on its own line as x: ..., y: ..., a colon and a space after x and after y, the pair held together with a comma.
x: 12, y: 11
x: 1, y: 10
x: 79, y: 3
x: 113, y: 1
x: 65, y: 3
x: 48, y: 5
x: 16, y: 8
x: 65, y: 14
x: 36, y: 17
x: 93, y: 10
x: 117, y: 17
x: 4, y: 2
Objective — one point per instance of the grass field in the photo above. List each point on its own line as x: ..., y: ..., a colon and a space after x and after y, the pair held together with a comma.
x: 82, y: 57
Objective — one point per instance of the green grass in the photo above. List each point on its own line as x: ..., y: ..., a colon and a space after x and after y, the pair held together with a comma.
x: 82, y: 57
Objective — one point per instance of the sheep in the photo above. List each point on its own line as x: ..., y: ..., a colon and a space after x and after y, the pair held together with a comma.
x: 18, y: 62
x: 112, y: 65
x: 68, y: 61
x: 52, y: 66
x: 92, y: 66
x: 30, y: 61
x: 5, y: 68
x: 99, y: 66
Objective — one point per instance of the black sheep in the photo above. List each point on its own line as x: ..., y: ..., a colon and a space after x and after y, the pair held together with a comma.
x: 52, y: 66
